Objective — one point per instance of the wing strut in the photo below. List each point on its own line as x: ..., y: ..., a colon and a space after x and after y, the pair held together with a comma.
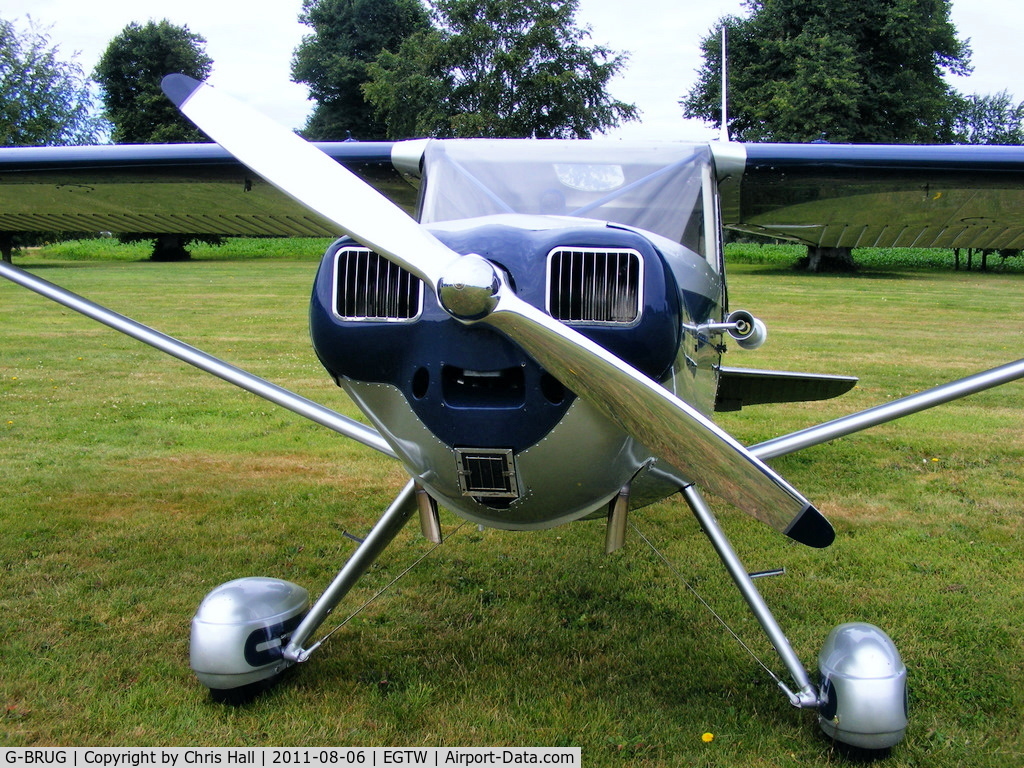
x: 806, y: 695
x: 880, y: 414
x: 229, y: 373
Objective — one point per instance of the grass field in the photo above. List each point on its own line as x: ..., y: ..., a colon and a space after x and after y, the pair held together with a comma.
x: 132, y: 485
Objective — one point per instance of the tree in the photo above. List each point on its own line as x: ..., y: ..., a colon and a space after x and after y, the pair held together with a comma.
x: 498, y: 68
x: 852, y: 70
x: 347, y: 37
x: 992, y: 119
x: 44, y: 101
x: 856, y: 70
x: 129, y: 73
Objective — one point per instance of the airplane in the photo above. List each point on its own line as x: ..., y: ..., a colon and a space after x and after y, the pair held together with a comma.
x: 535, y: 331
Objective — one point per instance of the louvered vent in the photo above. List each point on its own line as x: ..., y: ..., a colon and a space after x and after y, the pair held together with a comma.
x: 594, y: 286
x: 369, y: 287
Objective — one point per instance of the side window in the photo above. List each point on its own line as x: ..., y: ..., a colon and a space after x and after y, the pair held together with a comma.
x: 702, y: 234
x: 712, y: 220
x: 695, y: 232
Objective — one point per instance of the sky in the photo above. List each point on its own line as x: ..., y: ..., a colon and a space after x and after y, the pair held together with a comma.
x: 251, y: 45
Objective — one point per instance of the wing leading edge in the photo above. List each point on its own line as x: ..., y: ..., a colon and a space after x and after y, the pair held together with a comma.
x: 857, y: 195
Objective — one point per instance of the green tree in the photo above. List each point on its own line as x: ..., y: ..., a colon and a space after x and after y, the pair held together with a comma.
x: 992, y: 119
x: 347, y: 37
x: 498, y: 68
x: 129, y: 74
x: 44, y: 101
x: 855, y: 70
x: 867, y: 71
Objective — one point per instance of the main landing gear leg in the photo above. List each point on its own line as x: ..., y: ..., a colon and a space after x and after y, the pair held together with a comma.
x: 806, y: 695
x: 240, y: 630
x: 863, y: 698
x: 382, y: 534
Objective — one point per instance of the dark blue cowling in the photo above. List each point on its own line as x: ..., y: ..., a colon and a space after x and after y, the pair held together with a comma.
x: 471, y: 385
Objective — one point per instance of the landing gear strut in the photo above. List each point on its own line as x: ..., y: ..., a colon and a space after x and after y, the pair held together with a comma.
x: 248, y: 631
x: 863, y: 696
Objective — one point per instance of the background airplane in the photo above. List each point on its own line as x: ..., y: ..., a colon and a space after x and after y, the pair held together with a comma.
x: 663, y: 204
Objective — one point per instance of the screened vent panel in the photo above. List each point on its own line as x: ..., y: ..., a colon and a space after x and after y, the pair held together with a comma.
x: 369, y: 287
x: 487, y: 472
x: 595, y: 286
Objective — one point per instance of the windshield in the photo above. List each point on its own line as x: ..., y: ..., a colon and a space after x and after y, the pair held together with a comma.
x: 655, y: 187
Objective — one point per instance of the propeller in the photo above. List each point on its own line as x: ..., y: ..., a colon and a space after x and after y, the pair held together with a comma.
x: 472, y: 289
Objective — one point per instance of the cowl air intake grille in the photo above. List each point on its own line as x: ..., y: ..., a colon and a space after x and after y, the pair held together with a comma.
x: 369, y: 287
x: 595, y: 286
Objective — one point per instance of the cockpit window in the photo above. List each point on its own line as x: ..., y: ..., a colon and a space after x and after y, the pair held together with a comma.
x: 657, y: 188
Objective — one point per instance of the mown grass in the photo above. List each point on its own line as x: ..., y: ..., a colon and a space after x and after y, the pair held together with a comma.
x: 133, y: 485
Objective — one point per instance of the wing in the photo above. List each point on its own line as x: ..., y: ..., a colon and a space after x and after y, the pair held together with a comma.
x: 193, y: 188
x: 875, y: 195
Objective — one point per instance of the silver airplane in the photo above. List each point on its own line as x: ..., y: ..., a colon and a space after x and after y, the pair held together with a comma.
x: 535, y: 330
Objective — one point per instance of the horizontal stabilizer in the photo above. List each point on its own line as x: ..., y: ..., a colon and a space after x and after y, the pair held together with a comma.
x: 739, y: 387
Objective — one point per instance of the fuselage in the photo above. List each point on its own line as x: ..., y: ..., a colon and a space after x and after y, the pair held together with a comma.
x: 488, y: 432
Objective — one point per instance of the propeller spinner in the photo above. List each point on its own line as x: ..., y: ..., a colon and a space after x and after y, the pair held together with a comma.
x: 471, y: 289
